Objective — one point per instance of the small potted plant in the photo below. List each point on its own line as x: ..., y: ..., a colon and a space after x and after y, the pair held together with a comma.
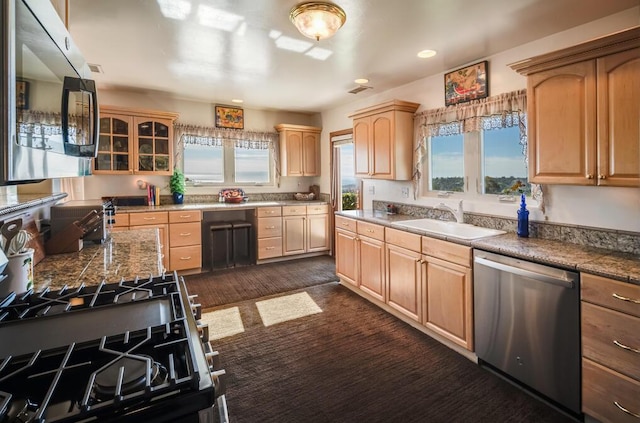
x: 177, y: 186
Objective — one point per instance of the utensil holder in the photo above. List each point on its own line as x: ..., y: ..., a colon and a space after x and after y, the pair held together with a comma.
x: 19, y: 272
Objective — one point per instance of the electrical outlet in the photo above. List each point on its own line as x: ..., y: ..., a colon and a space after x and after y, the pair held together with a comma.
x: 372, y: 189
x: 405, y: 192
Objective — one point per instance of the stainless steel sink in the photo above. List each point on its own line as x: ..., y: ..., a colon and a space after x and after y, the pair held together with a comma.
x: 450, y: 229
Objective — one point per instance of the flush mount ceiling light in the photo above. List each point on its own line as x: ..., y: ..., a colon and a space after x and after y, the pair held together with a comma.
x: 318, y: 20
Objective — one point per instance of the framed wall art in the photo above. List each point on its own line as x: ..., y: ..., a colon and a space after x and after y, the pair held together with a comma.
x: 466, y: 84
x: 22, y: 94
x: 229, y: 117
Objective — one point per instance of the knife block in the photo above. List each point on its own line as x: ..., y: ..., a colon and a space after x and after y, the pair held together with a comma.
x: 67, y: 241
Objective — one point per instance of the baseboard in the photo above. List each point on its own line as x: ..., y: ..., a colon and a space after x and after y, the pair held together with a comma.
x: 289, y: 258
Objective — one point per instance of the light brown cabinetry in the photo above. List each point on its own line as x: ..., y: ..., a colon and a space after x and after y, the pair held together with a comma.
x: 448, y: 296
x: 610, y: 326
x: 185, y: 240
x: 346, y: 250
x: 383, y: 140
x: 404, y: 272
x: 299, y: 150
x: 582, y: 112
x: 305, y: 229
x: 150, y: 220
x: 269, y: 232
x: 134, y: 141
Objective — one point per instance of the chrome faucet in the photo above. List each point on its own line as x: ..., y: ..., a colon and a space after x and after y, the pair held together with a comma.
x: 458, y: 213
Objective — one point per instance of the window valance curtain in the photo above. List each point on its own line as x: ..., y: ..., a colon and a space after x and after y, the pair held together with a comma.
x: 43, y: 124
x: 230, y: 138
x: 501, y: 111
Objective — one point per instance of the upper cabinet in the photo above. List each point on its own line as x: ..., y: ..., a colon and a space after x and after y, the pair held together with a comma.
x: 383, y: 140
x: 583, y: 108
x: 299, y: 150
x: 135, y: 141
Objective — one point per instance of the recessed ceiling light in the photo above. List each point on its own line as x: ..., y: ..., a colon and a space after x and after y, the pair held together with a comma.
x: 237, y: 100
x: 426, y: 53
x: 361, y: 81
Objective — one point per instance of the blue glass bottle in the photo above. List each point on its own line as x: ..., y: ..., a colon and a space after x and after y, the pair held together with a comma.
x: 523, y: 218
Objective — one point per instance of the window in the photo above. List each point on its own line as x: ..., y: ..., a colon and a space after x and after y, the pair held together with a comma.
x: 446, y: 163
x: 476, y: 163
x: 502, y: 160
x: 213, y: 161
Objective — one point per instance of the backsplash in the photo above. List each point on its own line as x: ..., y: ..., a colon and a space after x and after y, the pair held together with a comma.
x: 623, y: 241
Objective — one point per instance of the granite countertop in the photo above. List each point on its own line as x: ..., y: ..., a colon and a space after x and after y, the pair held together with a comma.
x: 599, y: 261
x: 217, y: 206
x: 124, y: 256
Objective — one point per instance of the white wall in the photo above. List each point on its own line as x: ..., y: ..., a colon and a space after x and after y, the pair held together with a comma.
x: 196, y: 113
x: 614, y: 208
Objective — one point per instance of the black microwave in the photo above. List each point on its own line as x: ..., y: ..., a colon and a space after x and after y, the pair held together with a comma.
x: 49, y: 106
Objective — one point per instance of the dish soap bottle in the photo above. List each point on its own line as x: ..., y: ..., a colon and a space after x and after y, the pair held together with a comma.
x: 523, y: 218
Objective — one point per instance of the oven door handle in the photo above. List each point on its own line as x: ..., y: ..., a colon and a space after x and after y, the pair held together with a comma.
x: 566, y: 283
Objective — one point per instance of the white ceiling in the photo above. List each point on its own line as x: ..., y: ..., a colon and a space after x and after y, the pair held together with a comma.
x: 226, y: 49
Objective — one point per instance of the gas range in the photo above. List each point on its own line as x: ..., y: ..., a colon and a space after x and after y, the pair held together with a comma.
x: 113, y: 352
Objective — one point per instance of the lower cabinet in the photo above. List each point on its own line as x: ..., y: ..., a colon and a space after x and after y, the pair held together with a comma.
x: 185, y: 240
x: 448, y: 296
x: 610, y: 326
x: 269, y: 220
x: 404, y: 273
x: 305, y: 229
x: 426, y: 280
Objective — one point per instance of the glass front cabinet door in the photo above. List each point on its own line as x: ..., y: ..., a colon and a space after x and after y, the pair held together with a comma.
x: 135, y: 142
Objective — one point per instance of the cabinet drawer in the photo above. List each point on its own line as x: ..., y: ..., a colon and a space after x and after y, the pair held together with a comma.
x: 269, y: 211
x: 403, y: 239
x: 148, y: 218
x: 610, y: 293
x: 294, y: 210
x: 371, y: 230
x: 269, y: 247
x: 448, y: 251
x: 185, y: 216
x: 602, y: 388
x: 181, y: 234
x: 269, y: 227
x: 346, y: 224
x: 600, y: 328
x: 121, y: 220
x: 319, y: 209
x: 189, y: 257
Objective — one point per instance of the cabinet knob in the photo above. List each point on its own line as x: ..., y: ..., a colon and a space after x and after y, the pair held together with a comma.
x: 602, y: 176
x: 589, y: 176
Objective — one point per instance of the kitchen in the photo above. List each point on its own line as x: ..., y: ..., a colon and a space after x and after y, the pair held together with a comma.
x: 566, y: 205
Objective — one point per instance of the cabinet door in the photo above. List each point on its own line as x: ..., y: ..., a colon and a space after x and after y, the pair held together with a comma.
x: 163, y: 231
x: 317, y: 232
x: 310, y: 153
x: 361, y: 140
x: 293, y: 165
x: 153, y: 146
x: 372, y: 268
x: 293, y: 236
x: 404, y: 275
x: 346, y: 254
x: 114, y: 145
x: 618, y: 112
x: 561, y: 109
x: 382, y: 147
x: 448, y: 301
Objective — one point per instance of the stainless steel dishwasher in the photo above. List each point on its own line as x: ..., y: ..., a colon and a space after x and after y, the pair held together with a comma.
x: 527, y: 325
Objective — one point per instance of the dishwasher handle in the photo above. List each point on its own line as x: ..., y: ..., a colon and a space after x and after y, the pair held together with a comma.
x: 566, y: 283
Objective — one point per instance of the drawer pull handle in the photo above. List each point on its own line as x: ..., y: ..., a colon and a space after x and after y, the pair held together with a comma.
x: 149, y: 218
x: 270, y: 227
x: 637, y: 416
x: 270, y: 248
x: 624, y: 347
x: 345, y: 224
x: 620, y: 297
x: 185, y: 233
x: 186, y: 216
x: 185, y: 258
x: 370, y: 230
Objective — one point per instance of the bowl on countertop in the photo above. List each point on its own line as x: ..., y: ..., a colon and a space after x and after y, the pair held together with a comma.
x: 304, y: 196
x: 234, y: 199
